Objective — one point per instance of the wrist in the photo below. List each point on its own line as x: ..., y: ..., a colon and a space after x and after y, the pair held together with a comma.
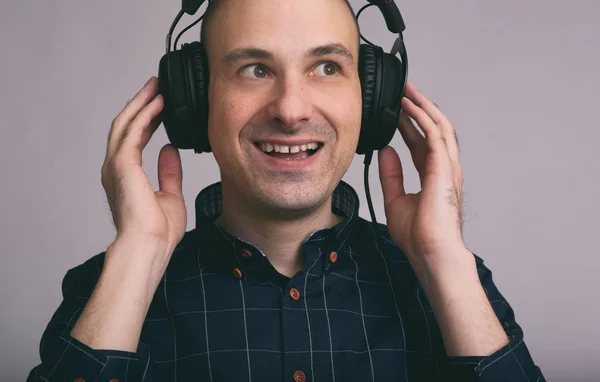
x: 468, y: 323
x: 444, y: 272
x: 138, y: 264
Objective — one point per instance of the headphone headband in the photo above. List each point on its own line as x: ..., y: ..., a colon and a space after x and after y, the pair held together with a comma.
x: 391, y: 14
x: 184, y: 81
x: 191, y: 6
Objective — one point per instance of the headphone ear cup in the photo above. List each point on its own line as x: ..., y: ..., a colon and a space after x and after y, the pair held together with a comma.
x: 381, y: 76
x: 198, y: 71
x: 182, y: 85
x: 367, y: 73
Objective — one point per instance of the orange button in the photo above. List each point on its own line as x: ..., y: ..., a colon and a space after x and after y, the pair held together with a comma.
x: 333, y: 257
x: 299, y: 376
x: 79, y: 380
x: 237, y: 273
x: 245, y: 253
x: 294, y: 294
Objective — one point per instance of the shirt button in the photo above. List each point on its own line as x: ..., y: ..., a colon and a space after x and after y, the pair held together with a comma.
x: 333, y: 256
x: 299, y: 376
x: 245, y: 253
x: 295, y: 294
x: 237, y: 273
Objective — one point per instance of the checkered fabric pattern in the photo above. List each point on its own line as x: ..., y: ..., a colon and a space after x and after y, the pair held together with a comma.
x: 223, y: 313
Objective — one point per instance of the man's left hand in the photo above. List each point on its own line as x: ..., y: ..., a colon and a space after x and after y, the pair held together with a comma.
x: 426, y: 225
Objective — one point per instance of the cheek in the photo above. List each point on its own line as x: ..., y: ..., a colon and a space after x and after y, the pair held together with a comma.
x: 349, y: 112
x: 226, y: 119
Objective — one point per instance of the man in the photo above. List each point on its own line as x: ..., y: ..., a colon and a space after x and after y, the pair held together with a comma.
x: 280, y: 279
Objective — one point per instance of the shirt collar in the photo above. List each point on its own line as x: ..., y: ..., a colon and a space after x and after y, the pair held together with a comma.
x: 209, y: 205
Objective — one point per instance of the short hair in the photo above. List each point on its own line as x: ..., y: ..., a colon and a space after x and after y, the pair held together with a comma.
x: 213, y: 4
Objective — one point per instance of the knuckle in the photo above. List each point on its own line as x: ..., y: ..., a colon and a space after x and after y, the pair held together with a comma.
x: 105, y: 175
x: 115, y: 122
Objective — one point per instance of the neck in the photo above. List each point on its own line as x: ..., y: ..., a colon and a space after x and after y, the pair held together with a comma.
x: 279, y: 236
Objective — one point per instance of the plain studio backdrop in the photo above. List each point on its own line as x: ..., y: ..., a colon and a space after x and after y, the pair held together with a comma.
x: 519, y: 80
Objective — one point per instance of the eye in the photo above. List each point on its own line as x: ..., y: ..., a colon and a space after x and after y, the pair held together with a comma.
x: 327, y: 68
x: 254, y: 71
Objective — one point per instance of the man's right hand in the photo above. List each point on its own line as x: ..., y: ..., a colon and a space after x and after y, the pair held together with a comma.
x: 149, y: 226
x: 140, y: 213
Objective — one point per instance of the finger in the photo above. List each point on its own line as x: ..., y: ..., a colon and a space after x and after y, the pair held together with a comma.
x: 390, y: 175
x: 433, y: 135
x: 414, y: 140
x: 140, y: 130
x: 129, y: 112
x: 424, y: 103
x: 170, y: 173
x: 150, y: 130
x: 436, y: 115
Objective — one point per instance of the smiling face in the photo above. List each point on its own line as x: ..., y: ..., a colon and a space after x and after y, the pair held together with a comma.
x: 285, y: 100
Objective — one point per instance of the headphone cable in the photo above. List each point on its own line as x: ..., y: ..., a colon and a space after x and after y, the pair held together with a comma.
x: 190, y: 26
x: 377, y: 231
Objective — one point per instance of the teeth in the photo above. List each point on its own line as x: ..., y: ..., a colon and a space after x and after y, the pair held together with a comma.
x: 267, y: 147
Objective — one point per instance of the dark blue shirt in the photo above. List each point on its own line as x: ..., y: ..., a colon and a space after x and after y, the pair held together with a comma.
x: 223, y: 313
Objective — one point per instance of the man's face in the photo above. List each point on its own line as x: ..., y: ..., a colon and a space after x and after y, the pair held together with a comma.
x: 283, y: 77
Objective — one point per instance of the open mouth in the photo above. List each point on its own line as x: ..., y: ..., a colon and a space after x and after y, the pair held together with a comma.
x: 289, y: 152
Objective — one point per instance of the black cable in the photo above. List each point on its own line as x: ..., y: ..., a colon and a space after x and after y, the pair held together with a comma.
x: 187, y: 29
x: 171, y: 29
x: 168, y: 43
x: 378, y: 234
x: 357, y: 16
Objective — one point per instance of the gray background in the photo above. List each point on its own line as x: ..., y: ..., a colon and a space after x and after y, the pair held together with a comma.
x: 518, y: 79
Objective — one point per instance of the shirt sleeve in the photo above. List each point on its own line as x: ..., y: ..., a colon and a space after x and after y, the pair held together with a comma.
x: 63, y: 358
x: 512, y: 362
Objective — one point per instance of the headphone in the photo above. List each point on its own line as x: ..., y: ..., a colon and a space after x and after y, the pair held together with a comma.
x: 183, y: 83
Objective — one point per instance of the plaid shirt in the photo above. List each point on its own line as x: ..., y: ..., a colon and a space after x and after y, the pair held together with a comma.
x: 223, y: 313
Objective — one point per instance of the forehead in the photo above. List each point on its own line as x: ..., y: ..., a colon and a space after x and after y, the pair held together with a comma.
x: 282, y: 26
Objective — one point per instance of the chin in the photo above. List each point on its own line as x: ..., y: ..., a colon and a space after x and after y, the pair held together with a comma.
x: 293, y: 197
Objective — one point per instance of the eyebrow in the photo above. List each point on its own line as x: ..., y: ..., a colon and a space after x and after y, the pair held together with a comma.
x: 240, y: 54
x: 335, y: 49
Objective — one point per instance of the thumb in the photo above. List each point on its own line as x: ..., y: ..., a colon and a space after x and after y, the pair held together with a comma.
x: 170, y: 174
x: 390, y: 174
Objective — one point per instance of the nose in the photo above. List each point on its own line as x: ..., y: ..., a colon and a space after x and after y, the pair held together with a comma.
x: 291, y: 106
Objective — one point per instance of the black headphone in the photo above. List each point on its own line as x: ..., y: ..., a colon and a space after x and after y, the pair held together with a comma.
x: 183, y: 83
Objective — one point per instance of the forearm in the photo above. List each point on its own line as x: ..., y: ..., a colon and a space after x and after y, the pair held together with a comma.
x: 114, y: 314
x: 467, y: 322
